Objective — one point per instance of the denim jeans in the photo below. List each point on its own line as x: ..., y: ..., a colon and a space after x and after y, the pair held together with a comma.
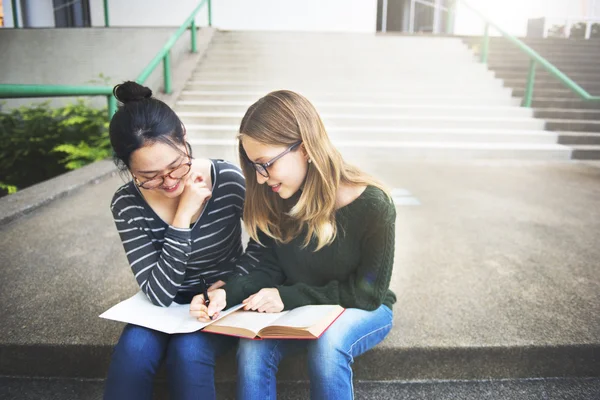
x: 190, y: 361
x: 329, y: 358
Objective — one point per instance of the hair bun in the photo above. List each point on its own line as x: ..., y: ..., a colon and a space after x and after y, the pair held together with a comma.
x: 131, y: 91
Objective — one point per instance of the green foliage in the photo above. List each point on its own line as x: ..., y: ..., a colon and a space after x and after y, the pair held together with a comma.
x: 39, y: 142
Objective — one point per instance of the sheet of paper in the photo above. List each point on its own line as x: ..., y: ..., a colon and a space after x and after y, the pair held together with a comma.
x: 138, y: 310
x: 307, y: 316
x: 251, y: 320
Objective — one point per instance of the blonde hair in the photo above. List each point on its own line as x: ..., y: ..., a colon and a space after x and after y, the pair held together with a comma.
x: 283, y: 118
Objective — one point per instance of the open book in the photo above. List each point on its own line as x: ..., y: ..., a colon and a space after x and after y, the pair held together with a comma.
x: 308, y: 322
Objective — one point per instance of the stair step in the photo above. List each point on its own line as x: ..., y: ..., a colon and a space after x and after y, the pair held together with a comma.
x: 371, y: 109
x: 14, y: 388
x: 569, y: 114
x: 367, y: 122
x: 439, y: 99
x: 382, y: 135
x: 591, y: 87
x: 586, y: 152
x: 576, y: 138
x: 572, y: 103
x: 543, y: 74
x: 523, y: 67
x: 360, y: 151
x: 545, y: 93
x: 348, y: 89
x: 572, y: 125
x: 356, y: 84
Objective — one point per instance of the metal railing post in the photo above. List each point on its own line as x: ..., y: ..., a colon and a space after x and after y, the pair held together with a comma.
x: 411, y: 18
x: 528, y: 98
x: 167, y: 72
x: 15, y: 13
x: 193, y: 32
x: 209, y: 12
x: 112, y: 106
x: 106, y: 20
x: 450, y: 17
x: 384, y: 11
x: 485, y: 44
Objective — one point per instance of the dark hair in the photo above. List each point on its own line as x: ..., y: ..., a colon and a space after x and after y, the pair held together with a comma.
x: 141, y: 120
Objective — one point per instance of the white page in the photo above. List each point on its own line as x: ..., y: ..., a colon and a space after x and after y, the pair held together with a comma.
x: 251, y: 320
x: 305, y: 317
x: 176, y: 318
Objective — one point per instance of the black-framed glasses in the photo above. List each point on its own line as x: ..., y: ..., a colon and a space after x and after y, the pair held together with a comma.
x: 176, y: 173
x: 261, y: 168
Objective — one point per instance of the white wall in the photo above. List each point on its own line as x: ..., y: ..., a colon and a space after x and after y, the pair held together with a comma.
x: 292, y: 15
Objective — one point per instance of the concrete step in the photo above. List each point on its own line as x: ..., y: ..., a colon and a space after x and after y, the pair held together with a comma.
x: 576, y: 103
x: 332, y: 69
x: 471, y: 319
x: 545, y: 93
x: 13, y: 388
x: 586, y: 152
x: 349, y: 88
x: 357, y: 151
x: 577, y: 138
x: 593, y: 76
x: 572, y: 113
x: 407, y: 135
x: 590, y: 86
x: 423, y: 109
x: 351, y: 76
x: 348, y: 83
x: 380, y: 121
x: 567, y: 68
x: 440, y: 99
x: 551, y: 55
x: 573, y: 125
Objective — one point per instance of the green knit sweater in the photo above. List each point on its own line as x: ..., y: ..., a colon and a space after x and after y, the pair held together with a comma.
x: 354, y: 271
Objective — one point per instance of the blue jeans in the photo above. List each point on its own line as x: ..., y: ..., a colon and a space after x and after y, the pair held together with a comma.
x: 190, y: 361
x: 329, y: 358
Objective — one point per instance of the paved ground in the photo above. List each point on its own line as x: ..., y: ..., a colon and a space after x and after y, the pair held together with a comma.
x: 496, y: 273
x: 524, y: 389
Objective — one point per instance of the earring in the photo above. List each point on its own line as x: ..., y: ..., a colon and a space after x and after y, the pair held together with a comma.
x: 309, y: 160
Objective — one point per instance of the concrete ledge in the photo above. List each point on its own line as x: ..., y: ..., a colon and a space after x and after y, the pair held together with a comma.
x: 41, y: 194
x: 29, y: 199
x: 383, y: 363
x: 496, y: 276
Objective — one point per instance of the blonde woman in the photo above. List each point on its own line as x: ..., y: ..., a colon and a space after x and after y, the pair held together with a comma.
x: 329, y: 231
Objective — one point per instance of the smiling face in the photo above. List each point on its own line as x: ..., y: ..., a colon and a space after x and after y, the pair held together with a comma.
x: 155, y: 160
x: 287, y: 174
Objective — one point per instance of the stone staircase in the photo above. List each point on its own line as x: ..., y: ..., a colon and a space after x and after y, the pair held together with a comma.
x: 576, y: 122
x: 410, y: 97
x: 497, y: 280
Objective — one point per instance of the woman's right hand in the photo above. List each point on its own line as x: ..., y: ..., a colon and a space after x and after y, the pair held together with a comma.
x: 218, y: 301
x: 195, y: 194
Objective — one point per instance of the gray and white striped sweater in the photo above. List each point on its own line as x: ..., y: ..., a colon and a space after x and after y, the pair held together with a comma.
x: 167, y: 262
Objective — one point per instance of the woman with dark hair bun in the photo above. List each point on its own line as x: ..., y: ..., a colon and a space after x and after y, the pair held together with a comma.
x: 179, y: 221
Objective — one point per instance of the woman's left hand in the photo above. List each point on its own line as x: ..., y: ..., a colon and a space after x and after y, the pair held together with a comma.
x: 265, y: 300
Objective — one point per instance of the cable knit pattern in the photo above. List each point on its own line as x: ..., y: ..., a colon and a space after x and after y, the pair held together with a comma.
x: 354, y: 271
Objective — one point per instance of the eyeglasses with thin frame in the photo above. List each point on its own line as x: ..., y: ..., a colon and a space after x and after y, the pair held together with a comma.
x: 261, y: 168
x: 176, y: 173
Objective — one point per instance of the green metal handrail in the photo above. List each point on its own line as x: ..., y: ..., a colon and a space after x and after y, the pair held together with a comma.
x: 535, y: 59
x: 24, y: 91
x: 20, y: 91
x: 164, y: 53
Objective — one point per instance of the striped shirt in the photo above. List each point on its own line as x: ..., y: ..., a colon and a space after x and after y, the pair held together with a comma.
x: 167, y: 262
